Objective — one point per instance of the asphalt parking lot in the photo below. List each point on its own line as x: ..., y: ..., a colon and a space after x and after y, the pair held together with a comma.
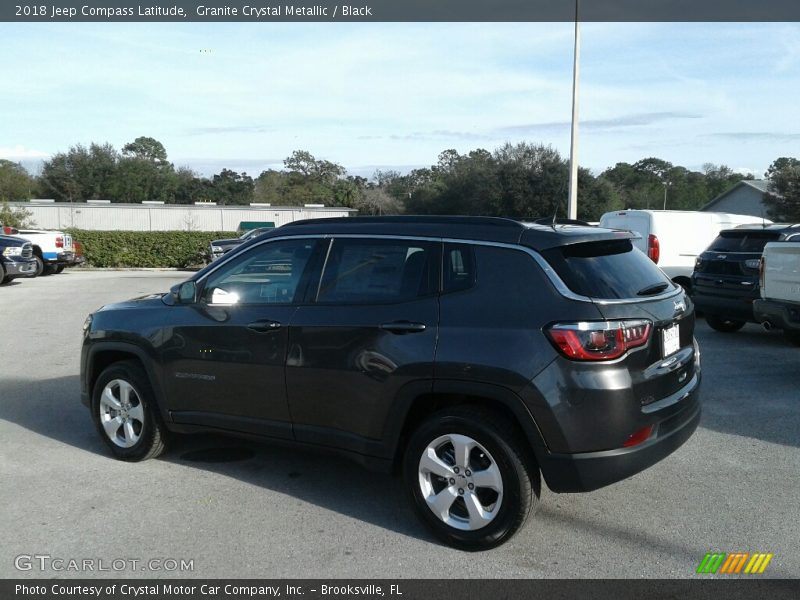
x: 244, y: 510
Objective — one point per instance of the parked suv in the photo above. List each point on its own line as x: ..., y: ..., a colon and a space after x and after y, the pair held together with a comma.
x: 471, y: 353
x: 725, y: 282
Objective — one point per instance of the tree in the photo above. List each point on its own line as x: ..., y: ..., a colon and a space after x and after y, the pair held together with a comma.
x: 783, y: 197
x: 230, y: 187
x: 146, y: 148
x: 15, y: 182
x: 81, y: 173
x: 15, y: 217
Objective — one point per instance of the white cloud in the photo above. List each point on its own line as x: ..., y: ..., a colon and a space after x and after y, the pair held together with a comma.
x: 21, y: 152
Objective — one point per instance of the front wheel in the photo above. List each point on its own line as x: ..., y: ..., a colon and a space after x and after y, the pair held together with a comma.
x: 722, y: 324
x: 470, y: 477
x: 125, y: 413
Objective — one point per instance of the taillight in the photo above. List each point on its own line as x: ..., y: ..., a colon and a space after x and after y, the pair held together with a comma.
x: 653, y: 248
x: 762, y: 271
x: 638, y: 437
x: 59, y: 242
x: 598, y: 340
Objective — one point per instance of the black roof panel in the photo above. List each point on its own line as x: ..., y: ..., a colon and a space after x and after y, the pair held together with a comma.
x: 491, y: 229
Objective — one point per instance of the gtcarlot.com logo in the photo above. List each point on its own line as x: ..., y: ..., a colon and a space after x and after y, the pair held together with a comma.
x: 46, y: 562
x: 735, y: 563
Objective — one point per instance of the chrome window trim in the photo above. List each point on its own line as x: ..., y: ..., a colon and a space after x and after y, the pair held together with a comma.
x: 557, y: 282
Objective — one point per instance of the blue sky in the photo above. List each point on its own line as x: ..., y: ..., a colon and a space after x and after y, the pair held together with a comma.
x: 395, y: 95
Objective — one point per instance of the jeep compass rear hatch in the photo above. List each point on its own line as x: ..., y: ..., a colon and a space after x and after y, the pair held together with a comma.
x: 649, y: 324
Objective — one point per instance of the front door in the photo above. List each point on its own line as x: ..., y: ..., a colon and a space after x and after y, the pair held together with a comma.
x: 224, y: 359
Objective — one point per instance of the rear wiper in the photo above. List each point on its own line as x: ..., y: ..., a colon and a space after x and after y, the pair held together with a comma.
x: 652, y: 289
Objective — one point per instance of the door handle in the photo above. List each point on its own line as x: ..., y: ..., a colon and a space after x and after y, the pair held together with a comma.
x: 403, y: 327
x: 264, y: 326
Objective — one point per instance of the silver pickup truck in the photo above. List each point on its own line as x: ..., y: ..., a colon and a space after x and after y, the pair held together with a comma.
x: 779, y: 305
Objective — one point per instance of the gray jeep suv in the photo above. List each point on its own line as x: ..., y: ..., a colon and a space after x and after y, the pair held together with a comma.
x: 473, y: 355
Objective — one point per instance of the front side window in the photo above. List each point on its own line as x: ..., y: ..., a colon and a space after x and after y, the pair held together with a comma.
x: 267, y: 274
x: 364, y: 271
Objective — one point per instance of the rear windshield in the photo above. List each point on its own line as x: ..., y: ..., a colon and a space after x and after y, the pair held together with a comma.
x: 608, y: 270
x: 742, y: 241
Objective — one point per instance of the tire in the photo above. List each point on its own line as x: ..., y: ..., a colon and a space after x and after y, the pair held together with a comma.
x: 722, y: 324
x: 59, y: 269
x: 498, y: 458
x: 146, y: 437
x: 49, y: 269
x: 792, y: 336
x: 3, y: 274
x: 39, y: 265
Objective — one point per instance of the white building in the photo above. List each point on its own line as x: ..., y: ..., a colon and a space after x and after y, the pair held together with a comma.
x: 104, y: 216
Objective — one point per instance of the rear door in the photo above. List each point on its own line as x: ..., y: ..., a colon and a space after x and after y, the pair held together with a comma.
x: 370, y: 330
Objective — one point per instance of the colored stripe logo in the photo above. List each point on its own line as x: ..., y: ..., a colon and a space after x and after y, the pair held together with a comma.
x: 735, y: 563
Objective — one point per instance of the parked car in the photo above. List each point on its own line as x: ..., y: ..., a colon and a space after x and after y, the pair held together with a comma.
x: 52, y: 250
x: 673, y: 239
x: 218, y: 248
x: 16, y: 258
x: 779, y: 305
x: 725, y: 282
x: 471, y: 353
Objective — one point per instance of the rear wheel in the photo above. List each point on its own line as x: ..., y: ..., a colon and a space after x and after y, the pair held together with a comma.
x: 470, y: 477
x: 59, y: 269
x: 125, y: 413
x: 724, y: 325
x: 2, y: 273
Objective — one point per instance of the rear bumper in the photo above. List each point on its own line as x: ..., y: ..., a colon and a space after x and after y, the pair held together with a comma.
x: 587, y: 471
x: 783, y: 315
x: 740, y: 307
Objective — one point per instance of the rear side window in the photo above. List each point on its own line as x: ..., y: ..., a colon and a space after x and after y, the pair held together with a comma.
x: 607, y: 270
x: 742, y: 241
x: 363, y: 271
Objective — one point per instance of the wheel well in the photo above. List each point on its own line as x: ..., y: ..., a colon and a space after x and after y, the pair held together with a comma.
x: 37, y: 251
x: 427, y: 404
x: 104, y: 359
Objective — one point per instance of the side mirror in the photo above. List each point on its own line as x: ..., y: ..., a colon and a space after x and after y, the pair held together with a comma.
x: 187, y: 292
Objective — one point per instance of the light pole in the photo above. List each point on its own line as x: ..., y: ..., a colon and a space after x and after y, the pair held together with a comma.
x: 666, y: 184
x: 572, y: 202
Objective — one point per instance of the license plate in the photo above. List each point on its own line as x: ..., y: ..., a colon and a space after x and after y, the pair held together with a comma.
x: 672, y: 339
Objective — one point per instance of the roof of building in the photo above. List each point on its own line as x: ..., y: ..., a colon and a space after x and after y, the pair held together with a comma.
x: 761, y: 185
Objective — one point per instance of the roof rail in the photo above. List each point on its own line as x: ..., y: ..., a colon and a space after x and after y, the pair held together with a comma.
x: 430, y: 219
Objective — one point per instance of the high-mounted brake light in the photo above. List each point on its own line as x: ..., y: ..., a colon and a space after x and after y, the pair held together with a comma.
x: 653, y: 248
x: 598, y: 340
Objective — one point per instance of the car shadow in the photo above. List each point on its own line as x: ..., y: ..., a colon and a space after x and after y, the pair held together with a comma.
x: 330, y: 482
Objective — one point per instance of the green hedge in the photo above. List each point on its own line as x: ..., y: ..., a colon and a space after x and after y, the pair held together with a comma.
x: 151, y: 249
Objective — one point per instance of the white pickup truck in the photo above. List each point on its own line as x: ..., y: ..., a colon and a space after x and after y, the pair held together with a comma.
x: 52, y: 250
x: 779, y: 305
